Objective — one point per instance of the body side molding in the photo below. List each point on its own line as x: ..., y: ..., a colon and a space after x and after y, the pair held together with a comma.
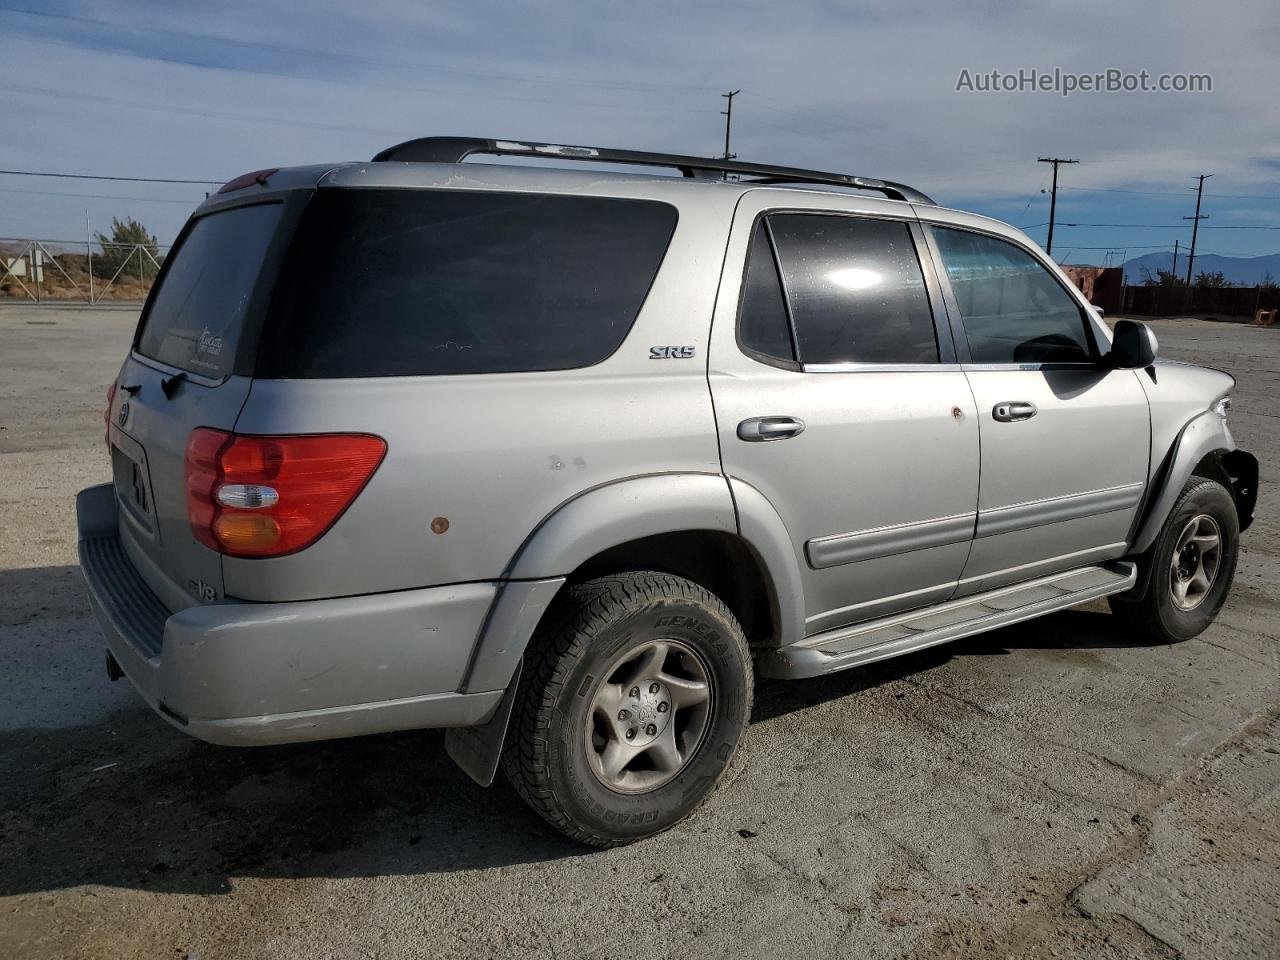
x: 1034, y: 513
x: 886, y: 541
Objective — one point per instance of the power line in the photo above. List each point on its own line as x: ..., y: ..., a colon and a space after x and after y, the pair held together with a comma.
x: 1171, y: 193
x: 1131, y: 246
x: 101, y: 196
x: 90, y: 176
x: 1161, y: 226
x: 1053, y: 197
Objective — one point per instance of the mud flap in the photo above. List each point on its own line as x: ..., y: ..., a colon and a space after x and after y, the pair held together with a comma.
x: 478, y: 750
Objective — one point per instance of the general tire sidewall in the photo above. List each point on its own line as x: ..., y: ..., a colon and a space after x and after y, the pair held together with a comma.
x: 1208, y: 498
x: 718, y: 642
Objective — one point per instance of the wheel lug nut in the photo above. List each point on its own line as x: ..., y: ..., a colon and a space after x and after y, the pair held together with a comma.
x: 631, y: 734
x: 634, y: 693
x: 663, y: 707
x: 623, y: 714
x: 650, y: 730
x: 653, y: 688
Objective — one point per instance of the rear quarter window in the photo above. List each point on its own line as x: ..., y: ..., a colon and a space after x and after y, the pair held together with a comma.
x: 381, y: 283
x: 195, y: 318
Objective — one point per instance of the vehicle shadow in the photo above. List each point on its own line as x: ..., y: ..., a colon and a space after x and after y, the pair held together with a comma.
x: 1080, y: 629
x: 128, y: 801
x: 134, y: 803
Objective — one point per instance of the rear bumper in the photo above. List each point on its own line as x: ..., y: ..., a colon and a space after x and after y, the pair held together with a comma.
x: 260, y: 673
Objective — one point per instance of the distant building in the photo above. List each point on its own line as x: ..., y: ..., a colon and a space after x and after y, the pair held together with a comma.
x: 1101, y: 286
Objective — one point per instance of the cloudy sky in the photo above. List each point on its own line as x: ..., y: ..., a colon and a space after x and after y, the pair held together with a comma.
x: 157, y: 89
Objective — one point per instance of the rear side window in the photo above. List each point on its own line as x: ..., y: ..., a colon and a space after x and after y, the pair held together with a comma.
x: 855, y: 290
x: 381, y: 283
x: 195, y: 318
x: 763, y: 327
x: 1012, y: 308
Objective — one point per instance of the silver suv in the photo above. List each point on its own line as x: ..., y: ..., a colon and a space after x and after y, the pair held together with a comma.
x: 561, y: 459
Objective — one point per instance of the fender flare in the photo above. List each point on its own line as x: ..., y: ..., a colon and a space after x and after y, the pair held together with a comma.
x: 1203, y: 435
x: 617, y: 513
x: 578, y: 530
x: 764, y: 532
x: 573, y: 533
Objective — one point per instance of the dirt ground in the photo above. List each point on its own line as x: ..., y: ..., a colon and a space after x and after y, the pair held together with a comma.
x: 1053, y: 789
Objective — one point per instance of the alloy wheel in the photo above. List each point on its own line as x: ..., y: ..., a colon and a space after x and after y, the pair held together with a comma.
x: 649, y: 714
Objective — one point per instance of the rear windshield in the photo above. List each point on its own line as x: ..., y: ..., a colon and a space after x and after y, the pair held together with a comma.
x: 195, y: 318
x: 381, y: 283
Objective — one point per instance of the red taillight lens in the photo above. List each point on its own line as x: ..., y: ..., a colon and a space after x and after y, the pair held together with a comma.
x: 250, y: 496
x: 106, y: 415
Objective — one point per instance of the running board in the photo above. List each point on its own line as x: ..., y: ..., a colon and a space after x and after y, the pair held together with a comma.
x: 865, y: 643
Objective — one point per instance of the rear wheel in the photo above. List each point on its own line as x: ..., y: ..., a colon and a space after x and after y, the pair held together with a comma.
x: 635, y: 697
x: 1189, y: 568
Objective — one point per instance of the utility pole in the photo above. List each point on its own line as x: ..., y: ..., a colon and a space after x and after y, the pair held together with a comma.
x: 88, y: 249
x: 1053, y: 197
x: 728, y: 124
x: 1173, y: 271
x: 1195, y: 224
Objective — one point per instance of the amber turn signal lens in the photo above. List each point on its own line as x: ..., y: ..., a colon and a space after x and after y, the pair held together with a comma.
x: 246, y: 532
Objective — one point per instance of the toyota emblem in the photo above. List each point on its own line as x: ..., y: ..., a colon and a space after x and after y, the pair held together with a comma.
x: 123, y: 415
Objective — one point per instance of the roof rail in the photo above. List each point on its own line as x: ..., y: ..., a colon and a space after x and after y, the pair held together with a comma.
x: 457, y: 149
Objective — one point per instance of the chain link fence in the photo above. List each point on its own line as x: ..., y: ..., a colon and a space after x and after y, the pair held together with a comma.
x: 60, y: 271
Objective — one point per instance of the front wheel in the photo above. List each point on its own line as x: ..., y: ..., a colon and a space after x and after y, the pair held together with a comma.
x: 1189, y: 568
x: 634, y: 699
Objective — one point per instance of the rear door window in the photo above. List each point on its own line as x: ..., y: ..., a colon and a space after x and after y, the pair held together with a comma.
x: 381, y: 283
x: 195, y: 318
x: 855, y: 290
x: 1013, y: 310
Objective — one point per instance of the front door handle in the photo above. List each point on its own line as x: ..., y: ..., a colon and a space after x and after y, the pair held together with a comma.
x: 1012, y: 410
x: 758, y: 429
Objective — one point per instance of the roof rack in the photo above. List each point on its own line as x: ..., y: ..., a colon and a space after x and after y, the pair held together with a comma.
x: 457, y: 149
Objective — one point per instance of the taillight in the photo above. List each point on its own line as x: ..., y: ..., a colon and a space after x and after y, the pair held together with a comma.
x: 106, y: 415
x: 253, y: 496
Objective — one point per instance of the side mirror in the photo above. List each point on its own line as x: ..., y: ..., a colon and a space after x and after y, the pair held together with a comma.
x: 1133, y: 345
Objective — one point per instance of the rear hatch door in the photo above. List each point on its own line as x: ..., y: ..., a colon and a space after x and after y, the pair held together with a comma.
x: 190, y: 367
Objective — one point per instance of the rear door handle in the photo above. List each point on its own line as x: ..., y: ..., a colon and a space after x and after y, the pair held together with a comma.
x: 1012, y: 410
x: 758, y: 429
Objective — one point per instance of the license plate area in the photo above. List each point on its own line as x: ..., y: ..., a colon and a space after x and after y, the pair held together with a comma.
x: 132, y: 485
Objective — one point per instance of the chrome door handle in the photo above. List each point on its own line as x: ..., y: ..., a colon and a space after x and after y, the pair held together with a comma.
x: 1012, y: 410
x: 757, y: 429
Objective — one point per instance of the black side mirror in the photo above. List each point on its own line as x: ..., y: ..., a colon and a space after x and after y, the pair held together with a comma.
x: 1133, y: 345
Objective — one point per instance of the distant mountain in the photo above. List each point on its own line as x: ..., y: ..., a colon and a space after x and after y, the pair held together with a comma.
x: 1241, y: 271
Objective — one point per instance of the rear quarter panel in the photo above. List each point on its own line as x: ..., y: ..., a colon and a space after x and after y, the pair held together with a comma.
x: 496, y: 454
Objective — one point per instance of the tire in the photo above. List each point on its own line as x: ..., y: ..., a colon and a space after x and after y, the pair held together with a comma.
x: 600, y: 643
x: 1156, y: 612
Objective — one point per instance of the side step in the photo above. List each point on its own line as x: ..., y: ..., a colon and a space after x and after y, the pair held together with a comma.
x: 865, y: 643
